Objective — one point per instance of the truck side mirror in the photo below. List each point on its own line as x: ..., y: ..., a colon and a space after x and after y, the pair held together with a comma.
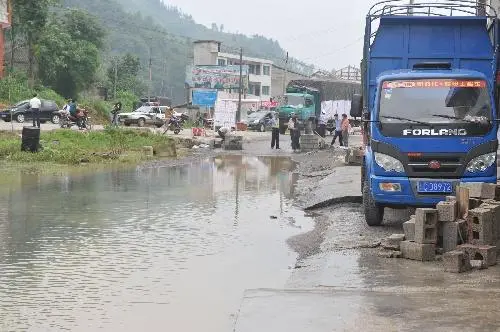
x: 356, y: 105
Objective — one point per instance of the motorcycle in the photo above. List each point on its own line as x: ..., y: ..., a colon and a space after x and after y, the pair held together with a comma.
x: 68, y: 121
x: 176, y: 123
x: 204, y: 123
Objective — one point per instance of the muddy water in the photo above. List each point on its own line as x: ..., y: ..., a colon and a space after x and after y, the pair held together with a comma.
x: 156, y: 249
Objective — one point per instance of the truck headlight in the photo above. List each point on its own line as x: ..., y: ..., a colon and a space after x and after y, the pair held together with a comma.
x: 388, y: 163
x: 481, y: 163
x: 256, y: 121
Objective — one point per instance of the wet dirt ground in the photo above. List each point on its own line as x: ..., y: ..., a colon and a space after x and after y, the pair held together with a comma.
x: 217, y: 244
x: 340, y: 283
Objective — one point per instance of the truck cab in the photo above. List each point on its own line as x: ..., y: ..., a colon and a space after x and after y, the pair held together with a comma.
x: 428, y: 104
x: 302, y: 101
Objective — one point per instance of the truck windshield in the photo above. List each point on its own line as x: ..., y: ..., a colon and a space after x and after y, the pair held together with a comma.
x: 436, y: 102
x: 294, y: 101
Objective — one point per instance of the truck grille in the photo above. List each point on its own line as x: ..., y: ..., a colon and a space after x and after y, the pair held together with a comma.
x: 449, y: 165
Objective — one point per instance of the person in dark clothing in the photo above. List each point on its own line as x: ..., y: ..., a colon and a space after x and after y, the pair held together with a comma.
x: 293, y: 126
x: 116, y: 110
x: 275, y: 137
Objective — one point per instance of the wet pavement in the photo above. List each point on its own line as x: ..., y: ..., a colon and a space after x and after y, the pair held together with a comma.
x: 146, y: 249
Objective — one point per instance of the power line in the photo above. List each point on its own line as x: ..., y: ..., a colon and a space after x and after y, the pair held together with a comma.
x: 335, y: 51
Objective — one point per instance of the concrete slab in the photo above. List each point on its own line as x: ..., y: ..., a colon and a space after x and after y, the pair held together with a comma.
x: 326, y: 310
x: 343, y: 185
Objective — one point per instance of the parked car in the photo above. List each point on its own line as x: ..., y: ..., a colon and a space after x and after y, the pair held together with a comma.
x: 21, y: 112
x: 145, y: 115
x: 260, y: 120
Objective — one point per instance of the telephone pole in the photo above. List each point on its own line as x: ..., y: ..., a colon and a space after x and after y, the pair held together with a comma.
x: 238, y: 113
x: 286, y: 74
x: 150, y: 72
x: 116, y: 77
x: 412, y: 2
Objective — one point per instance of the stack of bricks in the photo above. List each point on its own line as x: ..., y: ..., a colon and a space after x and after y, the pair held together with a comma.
x: 309, y: 142
x: 421, y: 234
x: 474, y: 237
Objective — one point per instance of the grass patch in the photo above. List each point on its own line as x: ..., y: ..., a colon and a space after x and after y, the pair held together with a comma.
x: 69, y: 147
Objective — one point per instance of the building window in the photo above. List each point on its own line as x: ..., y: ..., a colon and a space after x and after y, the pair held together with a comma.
x: 221, y: 62
x: 257, y: 69
x: 256, y: 90
x: 266, y: 70
x: 251, y: 69
x: 265, y: 90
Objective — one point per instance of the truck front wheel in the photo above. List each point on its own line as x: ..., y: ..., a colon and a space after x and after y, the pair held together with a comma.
x: 374, y: 213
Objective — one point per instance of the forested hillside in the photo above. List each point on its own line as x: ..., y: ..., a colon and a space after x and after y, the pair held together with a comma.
x: 181, y: 24
x: 169, y: 33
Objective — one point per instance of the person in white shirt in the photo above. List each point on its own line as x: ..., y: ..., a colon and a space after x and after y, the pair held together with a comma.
x: 323, y: 119
x: 35, y: 105
x: 223, y: 131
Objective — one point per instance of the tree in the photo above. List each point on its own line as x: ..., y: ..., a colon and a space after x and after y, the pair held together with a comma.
x: 83, y: 26
x: 68, y: 52
x: 123, y: 74
x: 30, y: 17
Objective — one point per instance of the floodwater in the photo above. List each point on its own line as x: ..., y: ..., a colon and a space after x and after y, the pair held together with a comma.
x: 146, y: 249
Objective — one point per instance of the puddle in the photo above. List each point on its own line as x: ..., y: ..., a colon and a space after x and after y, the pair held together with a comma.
x: 145, y: 249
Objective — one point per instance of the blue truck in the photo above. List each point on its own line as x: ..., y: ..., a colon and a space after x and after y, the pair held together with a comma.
x: 428, y: 102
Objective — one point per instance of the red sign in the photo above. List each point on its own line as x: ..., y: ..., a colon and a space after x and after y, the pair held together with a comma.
x: 269, y: 104
x: 435, y: 84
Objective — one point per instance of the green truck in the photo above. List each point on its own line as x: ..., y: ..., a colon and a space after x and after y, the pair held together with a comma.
x: 304, y: 98
x: 301, y: 100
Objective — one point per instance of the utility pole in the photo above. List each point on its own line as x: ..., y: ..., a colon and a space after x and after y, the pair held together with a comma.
x: 286, y: 74
x: 238, y: 113
x: 116, y: 77
x: 150, y: 72
x: 412, y: 2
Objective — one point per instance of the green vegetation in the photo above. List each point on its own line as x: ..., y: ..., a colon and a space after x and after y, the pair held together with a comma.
x: 69, y: 147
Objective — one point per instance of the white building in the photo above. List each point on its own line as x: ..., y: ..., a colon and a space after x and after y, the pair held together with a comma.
x: 207, y: 52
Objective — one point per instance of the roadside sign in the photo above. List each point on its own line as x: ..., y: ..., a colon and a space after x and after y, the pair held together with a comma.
x: 205, y: 98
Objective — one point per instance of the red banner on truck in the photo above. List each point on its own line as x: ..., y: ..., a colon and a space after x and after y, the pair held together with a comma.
x: 435, y: 83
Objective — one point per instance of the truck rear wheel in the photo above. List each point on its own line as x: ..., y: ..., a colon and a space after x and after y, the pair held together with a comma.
x: 374, y: 213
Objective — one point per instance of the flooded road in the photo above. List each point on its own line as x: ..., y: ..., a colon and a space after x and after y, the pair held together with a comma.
x: 147, y: 249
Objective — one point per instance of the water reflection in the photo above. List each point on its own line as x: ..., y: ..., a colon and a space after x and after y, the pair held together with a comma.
x: 146, y: 248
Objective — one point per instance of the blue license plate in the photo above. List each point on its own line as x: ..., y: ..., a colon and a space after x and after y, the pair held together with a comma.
x: 435, y: 187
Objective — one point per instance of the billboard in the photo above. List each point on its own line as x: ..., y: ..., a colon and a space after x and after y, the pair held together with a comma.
x: 5, y: 13
x: 216, y: 77
x: 205, y: 98
x: 225, y: 113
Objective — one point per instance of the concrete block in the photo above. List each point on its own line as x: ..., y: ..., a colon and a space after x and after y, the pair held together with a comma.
x: 453, y: 234
x: 495, y: 210
x: 480, y: 189
x: 409, y: 229
x: 451, y: 198
x: 497, y: 192
x: 487, y: 254
x: 456, y: 261
x: 426, y: 222
x: 392, y: 242
x: 148, y: 151
x: 233, y: 142
x: 474, y: 203
x: 447, y: 211
x: 418, y: 251
x: 480, y: 226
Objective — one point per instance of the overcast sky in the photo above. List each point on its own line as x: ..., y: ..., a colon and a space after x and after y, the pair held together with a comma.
x: 326, y: 33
